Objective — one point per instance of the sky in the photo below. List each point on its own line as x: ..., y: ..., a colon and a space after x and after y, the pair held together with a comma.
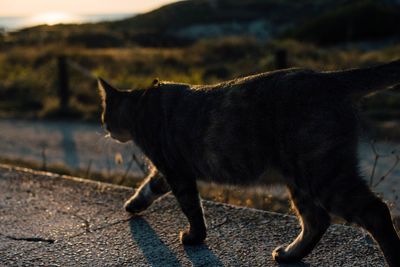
x: 78, y: 7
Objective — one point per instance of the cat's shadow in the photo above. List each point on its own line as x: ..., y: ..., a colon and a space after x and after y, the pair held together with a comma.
x: 299, y: 264
x: 160, y: 255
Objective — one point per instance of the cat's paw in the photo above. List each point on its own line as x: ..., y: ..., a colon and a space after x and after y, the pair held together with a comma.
x: 282, y: 255
x: 191, y: 237
x: 136, y: 205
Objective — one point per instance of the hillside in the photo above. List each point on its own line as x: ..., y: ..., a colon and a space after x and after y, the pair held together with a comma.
x: 182, y: 23
x: 321, y: 21
x: 185, y: 14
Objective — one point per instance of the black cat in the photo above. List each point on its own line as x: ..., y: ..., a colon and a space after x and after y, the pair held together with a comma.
x: 299, y: 125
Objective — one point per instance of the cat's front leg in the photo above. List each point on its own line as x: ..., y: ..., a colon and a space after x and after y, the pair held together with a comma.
x: 153, y: 187
x: 185, y: 191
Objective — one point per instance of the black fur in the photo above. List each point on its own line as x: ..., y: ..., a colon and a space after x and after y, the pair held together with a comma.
x: 294, y: 127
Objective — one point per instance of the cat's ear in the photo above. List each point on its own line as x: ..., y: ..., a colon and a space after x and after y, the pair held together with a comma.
x: 105, y: 89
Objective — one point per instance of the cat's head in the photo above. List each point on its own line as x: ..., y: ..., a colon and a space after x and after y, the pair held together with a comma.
x: 115, y: 114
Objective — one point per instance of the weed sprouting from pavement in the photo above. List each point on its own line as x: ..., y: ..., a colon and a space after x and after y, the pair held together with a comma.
x: 377, y: 156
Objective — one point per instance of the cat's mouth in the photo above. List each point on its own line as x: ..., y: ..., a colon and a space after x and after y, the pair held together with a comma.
x: 119, y: 138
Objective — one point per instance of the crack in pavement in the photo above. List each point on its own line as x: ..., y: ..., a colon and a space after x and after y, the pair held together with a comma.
x: 99, y: 228
x: 66, y: 238
x: 29, y: 239
x: 86, y: 222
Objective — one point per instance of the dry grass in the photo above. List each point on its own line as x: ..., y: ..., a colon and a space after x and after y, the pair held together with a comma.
x: 28, y: 75
x: 130, y: 181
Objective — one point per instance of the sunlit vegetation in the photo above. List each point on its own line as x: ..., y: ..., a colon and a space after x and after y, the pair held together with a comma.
x: 28, y: 75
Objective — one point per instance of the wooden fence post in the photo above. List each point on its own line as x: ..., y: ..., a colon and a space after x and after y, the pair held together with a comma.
x: 63, y: 83
x: 281, y: 61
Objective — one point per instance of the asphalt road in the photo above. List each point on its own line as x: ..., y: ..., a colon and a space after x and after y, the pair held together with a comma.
x: 48, y: 220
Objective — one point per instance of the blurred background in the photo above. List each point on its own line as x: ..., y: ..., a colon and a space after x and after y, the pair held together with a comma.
x: 52, y: 51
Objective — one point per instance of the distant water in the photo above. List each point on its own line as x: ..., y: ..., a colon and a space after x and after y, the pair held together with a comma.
x: 17, y: 22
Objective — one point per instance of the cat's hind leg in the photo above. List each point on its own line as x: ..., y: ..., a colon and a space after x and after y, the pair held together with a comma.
x: 314, y: 222
x: 153, y: 187
x: 357, y: 204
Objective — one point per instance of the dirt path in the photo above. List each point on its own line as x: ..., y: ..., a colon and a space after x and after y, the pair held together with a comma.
x: 77, y: 145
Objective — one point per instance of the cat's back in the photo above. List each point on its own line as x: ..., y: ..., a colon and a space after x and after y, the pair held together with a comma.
x: 249, y: 82
x: 240, y: 105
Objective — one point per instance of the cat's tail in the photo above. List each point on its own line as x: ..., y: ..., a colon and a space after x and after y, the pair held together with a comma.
x: 363, y: 81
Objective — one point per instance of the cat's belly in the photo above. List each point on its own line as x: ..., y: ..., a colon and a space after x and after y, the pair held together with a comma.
x: 242, y: 176
x: 271, y: 176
